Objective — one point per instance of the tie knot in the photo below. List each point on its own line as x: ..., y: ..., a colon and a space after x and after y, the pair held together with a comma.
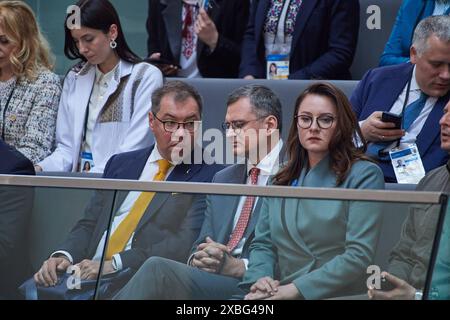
x: 164, y: 166
x: 254, y: 173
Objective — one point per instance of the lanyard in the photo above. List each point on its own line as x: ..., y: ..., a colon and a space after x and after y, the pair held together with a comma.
x: 405, y: 103
x: 86, y: 117
x: 4, y: 112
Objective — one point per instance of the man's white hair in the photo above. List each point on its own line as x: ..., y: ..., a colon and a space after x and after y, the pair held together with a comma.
x: 438, y: 26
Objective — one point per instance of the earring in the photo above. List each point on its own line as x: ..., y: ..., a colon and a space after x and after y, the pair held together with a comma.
x: 113, y: 44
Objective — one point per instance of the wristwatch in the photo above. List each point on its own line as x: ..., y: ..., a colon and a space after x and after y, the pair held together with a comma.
x: 418, y: 295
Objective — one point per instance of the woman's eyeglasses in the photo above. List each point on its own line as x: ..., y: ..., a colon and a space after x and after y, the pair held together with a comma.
x: 323, y: 122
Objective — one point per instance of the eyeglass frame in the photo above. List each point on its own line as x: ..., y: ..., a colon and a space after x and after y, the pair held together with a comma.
x: 178, y: 124
x: 229, y: 125
x: 333, y: 118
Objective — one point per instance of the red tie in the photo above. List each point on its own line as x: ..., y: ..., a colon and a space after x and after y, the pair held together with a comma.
x: 242, y: 223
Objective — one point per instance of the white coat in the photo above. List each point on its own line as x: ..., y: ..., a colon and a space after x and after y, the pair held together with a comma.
x: 122, y: 124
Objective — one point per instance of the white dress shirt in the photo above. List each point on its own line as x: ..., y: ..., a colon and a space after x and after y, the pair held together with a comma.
x: 96, y: 103
x: 414, y: 94
x: 268, y: 166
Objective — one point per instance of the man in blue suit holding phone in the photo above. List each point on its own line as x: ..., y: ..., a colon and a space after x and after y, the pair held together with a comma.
x: 417, y: 91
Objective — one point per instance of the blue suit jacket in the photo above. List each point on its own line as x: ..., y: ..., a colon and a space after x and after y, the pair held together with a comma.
x: 169, y: 226
x: 323, y: 43
x: 13, y: 162
x: 378, y: 91
x: 399, y: 43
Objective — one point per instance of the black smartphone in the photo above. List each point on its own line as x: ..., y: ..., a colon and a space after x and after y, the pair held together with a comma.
x: 386, y: 285
x: 392, y: 117
x: 161, y: 61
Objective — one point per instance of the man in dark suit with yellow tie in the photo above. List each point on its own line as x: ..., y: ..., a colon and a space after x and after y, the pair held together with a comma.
x: 146, y: 224
x: 219, y: 257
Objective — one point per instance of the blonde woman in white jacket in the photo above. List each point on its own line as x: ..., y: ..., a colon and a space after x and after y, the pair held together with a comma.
x: 106, y: 97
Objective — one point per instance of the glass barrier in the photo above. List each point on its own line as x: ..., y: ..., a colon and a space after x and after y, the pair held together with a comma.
x: 185, y: 241
x: 438, y: 284
x: 38, y: 227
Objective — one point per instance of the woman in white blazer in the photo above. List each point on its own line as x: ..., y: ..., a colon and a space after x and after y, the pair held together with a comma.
x: 106, y: 97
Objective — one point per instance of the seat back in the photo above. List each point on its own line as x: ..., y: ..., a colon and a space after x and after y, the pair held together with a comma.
x: 371, y: 42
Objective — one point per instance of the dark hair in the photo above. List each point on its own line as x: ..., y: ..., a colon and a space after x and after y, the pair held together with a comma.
x: 181, y: 91
x: 342, y: 149
x: 263, y: 100
x: 98, y: 15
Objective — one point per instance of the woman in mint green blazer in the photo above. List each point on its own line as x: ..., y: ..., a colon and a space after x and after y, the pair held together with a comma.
x: 316, y: 249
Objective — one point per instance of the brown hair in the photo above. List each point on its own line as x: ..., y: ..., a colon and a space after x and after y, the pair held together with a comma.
x: 181, y: 91
x: 342, y: 150
x: 20, y: 27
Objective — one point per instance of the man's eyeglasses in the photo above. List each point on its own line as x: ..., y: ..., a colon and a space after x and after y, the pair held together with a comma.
x: 324, y: 122
x: 238, y: 125
x: 172, y: 126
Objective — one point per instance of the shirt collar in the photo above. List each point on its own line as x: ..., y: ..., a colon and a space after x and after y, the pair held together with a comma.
x: 414, y: 84
x: 270, y: 164
x: 155, y: 156
x: 105, y: 77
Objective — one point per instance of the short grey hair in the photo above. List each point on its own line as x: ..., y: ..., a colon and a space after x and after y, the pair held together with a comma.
x: 438, y: 26
x: 263, y: 101
x: 180, y: 91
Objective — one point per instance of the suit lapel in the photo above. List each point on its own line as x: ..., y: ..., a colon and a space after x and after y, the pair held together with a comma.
x: 83, y: 89
x: 261, y: 13
x: 132, y: 169
x: 180, y: 173
x: 392, y: 89
x: 172, y: 21
x: 289, y: 214
x: 431, y: 129
x: 238, y: 176
x: 302, y: 18
x: 253, y: 219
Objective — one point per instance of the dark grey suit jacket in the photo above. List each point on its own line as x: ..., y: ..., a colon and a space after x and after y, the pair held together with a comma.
x: 220, y: 211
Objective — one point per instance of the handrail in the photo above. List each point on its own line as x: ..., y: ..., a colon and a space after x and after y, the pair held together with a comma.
x: 226, y: 189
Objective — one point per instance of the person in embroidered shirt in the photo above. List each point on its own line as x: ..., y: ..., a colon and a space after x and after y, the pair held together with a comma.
x: 106, y: 96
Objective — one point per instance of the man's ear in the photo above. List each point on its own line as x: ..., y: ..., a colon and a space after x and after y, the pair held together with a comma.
x: 413, y: 55
x: 151, y: 121
x: 271, y: 124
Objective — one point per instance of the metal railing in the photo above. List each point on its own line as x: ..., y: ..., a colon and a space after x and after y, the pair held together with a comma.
x: 227, y: 189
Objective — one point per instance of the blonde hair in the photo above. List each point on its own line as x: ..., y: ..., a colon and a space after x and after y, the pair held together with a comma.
x: 21, y: 29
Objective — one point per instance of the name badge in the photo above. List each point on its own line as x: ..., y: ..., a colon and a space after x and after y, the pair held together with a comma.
x: 407, y: 164
x: 86, y: 162
x: 277, y: 67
